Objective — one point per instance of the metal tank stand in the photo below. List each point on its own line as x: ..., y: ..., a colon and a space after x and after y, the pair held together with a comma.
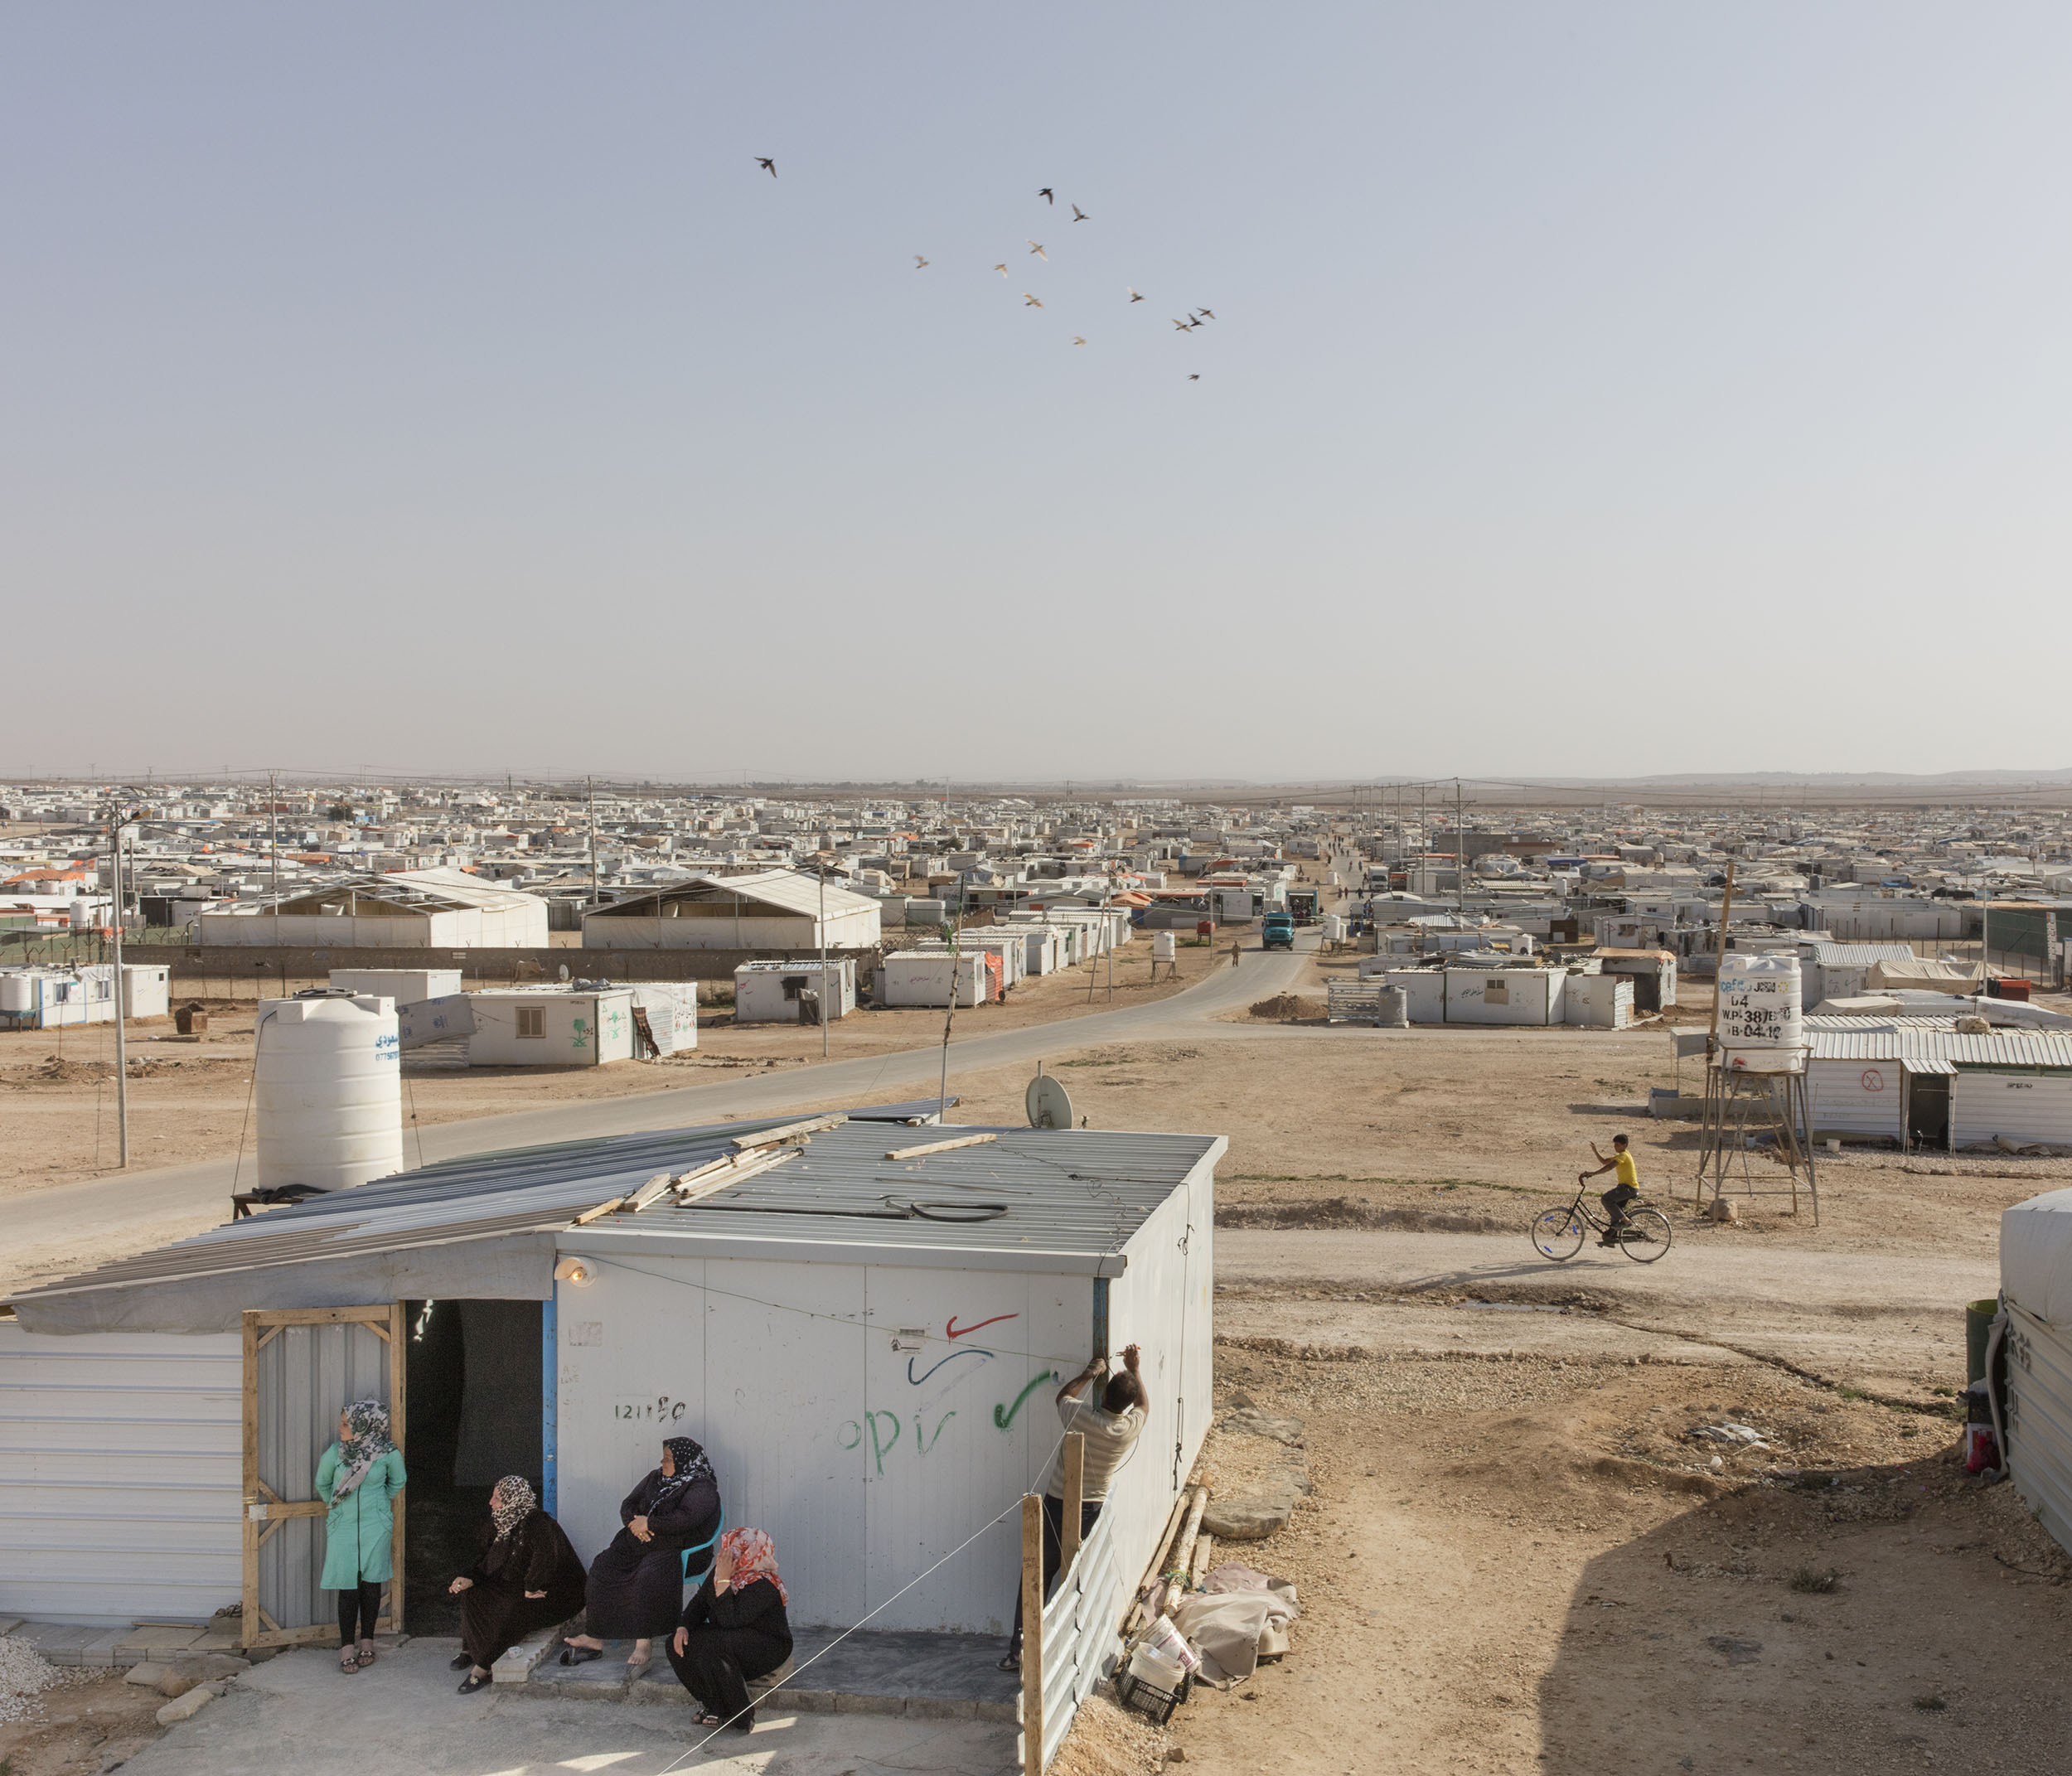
x: 1739, y: 1106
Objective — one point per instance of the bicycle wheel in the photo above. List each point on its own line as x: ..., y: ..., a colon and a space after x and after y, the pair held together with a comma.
x: 1647, y: 1234
x: 1558, y: 1234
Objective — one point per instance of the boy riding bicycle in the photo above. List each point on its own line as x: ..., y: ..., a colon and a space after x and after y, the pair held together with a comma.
x: 1625, y: 1188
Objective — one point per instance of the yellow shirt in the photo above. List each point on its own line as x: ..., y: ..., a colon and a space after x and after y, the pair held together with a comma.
x: 1625, y: 1171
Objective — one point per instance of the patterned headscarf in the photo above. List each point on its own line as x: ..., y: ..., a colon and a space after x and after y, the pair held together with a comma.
x: 364, y: 1443
x: 754, y: 1556
x: 511, y: 1503
x: 693, y: 1465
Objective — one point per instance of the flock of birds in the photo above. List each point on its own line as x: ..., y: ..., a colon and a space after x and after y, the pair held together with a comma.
x: 1195, y: 317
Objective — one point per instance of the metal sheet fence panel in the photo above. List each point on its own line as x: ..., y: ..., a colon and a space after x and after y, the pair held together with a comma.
x: 118, y: 1475
x: 1078, y: 1631
x: 1350, y: 1001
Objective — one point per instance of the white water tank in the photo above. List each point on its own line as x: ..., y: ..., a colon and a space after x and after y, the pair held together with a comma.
x: 1761, y: 1027
x: 327, y: 1080
x: 1163, y: 947
x: 17, y: 992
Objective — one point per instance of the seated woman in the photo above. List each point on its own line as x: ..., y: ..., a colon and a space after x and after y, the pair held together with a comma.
x: 733, y: 1628
x: 637, y: 1583
x: 527, y: 1578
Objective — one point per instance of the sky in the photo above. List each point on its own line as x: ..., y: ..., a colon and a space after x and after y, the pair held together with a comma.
x: 1592, y: 390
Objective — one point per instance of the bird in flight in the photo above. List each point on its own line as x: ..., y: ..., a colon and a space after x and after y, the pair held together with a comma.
x: 1134, y: 297
x: 1001, y: 269
x: 1077, y: 214
x: 1077, y: 341
x: 1047, y: 195
x: 1036, y: 247
x: 1207, y: 314
x: 1181, y: 325
x: 919, y: 262
x: 1195, y: 376
x: 766, y: 164
x: 1030, y: 300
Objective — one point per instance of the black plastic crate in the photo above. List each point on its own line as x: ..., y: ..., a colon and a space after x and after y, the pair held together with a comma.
x: 1147, y: 1698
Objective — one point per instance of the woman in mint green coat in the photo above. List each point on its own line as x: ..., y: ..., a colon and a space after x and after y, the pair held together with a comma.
x: 356, y: 1477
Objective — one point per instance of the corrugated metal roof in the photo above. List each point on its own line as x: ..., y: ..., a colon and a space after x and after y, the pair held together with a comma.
x: 774, y: 888
x: 1830, y: 954
x: 1073, y: 1192
x: 1932, y: 1038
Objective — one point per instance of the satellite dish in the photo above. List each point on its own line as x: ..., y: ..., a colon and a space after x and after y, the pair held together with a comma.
x: 1049, y: 1105
x: 562, y: 970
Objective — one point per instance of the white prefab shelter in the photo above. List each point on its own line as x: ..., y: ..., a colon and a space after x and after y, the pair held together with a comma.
x: 2036, y: 1294
x: 914, y: 977
x: 1599, y: 1002
x: 147, y: 989
x: 45, y: 999
x: 1921, y: 1082
x: 871, y: 1365
x: 671, y: 1009
x: 771, y: 909
x: 409, y: 909
x: 406, y: 986
x: 551, y: 1026
x: 1508, y: 995
x: 769, y: 992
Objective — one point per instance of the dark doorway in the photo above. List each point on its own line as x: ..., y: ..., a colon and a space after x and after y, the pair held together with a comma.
x: 475, y: 1415
x: 1928, y: 1109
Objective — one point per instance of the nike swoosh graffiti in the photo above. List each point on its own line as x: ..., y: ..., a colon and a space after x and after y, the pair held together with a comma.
x: 951, y: 1329
x: 971, y: 1351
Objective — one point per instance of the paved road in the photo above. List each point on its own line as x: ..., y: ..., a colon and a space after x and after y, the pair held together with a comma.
x: 56, y: 1225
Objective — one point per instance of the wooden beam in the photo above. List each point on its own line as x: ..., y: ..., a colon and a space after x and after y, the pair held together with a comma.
x: 590, y: 1215
x: 1032, y: 1635
x: 709, y: 1180
x: 791, y: 1132
x: 647, y: 1193
x: 315, y: 1316
x: 248, y: 1613
x: 921, y: 1152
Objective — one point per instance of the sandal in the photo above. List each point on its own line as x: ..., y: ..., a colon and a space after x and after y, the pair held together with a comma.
x: 707, y: 1718
x: 471, y: 1683
x: 579, y: 1655
x: 348, y: 1660
x: 366, y: 1655
x: 460, y: 1662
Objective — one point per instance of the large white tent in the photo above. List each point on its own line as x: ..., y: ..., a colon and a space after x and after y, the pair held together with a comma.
x: 409, y: 909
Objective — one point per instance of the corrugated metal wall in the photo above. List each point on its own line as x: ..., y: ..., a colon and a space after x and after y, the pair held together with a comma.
x: 2023, y: 1106
x: 119, y: 1475
x: 307, y: 1374
x: 2040, y: 1420
x: 1855, y: 1097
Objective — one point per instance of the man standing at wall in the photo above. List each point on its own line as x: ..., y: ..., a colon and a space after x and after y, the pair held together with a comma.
x: 1111, y: 1427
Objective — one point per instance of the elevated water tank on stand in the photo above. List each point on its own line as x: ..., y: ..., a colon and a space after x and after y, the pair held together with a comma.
x: 328, y: 1082
x: 1761, y: 1026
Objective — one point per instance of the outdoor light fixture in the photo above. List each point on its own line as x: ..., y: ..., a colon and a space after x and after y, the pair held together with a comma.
x: 574, y: 1271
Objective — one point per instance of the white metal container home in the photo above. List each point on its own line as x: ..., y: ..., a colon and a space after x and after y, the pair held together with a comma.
x: 769, y: 909
x: 1838, y: 971
x: 1599, y: 1002
x: 768, y: 992
x: 915, y: 977
x: 875, y: 1388
x: 1423, y: 991
x: 1510, y: 995
x: 46, y: 999
x: 2035, y: 1295
x: 868, y: 1350
x: 147, y: 991
x: 551, y: 1026
x: 1012, y: 950
x: 2025, y: 1106
x: 406, y: 986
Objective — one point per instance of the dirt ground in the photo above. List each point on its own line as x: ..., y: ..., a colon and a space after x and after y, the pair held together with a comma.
x: 88, y: 1721
x: 1518, y: 1566
x: 189, y: 1099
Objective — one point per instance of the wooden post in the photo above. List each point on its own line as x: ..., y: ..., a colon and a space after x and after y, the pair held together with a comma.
x: 1727, y: 911
x: 398, y: 1427
x: 1075, y: 1478
x: 1032, y: 1635
x: 248, y: 1615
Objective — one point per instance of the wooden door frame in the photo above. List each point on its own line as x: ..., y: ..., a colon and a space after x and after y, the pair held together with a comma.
x: 265, y: 1510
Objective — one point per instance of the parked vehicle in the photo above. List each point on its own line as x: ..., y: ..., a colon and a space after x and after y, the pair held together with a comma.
x: 1277, y: 932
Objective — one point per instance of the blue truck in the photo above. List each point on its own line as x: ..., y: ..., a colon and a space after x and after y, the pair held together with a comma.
x: 1277, y: 932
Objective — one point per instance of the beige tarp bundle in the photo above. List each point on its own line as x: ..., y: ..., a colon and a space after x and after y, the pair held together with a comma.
x: 1924, y: 974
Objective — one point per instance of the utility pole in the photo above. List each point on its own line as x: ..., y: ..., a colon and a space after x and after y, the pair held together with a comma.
x: 122, y: 1052
x: 822, y: 873
x: 273, y: 849
x: 1460, y: 852
x: 589, y: 795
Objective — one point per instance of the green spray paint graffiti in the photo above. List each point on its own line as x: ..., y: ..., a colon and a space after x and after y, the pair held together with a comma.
x: 1003, y: 1415
x: 850, y: 1435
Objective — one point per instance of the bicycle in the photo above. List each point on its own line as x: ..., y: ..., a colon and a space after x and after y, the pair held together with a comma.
x: 1558, y: 1233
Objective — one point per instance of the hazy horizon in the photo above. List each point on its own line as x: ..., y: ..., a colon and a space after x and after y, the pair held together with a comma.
x: 392, y: 386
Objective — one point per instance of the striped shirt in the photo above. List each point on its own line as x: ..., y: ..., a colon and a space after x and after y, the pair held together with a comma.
x: 1110, y: 1437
